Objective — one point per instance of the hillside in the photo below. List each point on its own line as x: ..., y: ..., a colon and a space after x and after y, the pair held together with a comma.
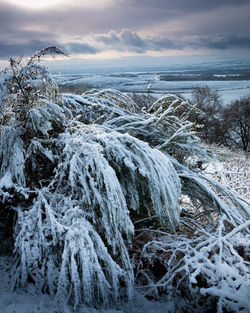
x: 107, y: 208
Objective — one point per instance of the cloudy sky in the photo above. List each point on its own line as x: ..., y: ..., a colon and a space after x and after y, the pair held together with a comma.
x: 106, y: 29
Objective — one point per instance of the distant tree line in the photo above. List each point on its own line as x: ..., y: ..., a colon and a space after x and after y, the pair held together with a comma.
x: 222, y: 124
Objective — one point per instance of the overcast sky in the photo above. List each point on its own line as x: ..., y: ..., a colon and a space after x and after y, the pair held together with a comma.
x: 101, y: 29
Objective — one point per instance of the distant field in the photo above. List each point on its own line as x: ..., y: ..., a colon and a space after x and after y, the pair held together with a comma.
x: 230, y: 86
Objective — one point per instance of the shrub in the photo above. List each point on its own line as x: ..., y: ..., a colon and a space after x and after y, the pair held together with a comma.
x: 207, y: 273
x: 82, y: 171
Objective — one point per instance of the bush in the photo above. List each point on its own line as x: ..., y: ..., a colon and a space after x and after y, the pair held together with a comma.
x: 235, y: 124
x: 208, y: 273
x: 82, y: 172
x: 227, y: 125
x: 210, y: 104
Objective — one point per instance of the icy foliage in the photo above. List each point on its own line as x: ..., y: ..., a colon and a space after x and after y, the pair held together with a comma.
x: 12, y: 157
x: 231, y: 169
x: 81, y: 172
x: 210, y: 270
x: 71, y: 238
x: 212, y: 196
x: 23, y: 84
x: 114, y: 97
x: 147, y: 177
x: 65, y: 256
x: 167, y: 129
x: 165, y: 126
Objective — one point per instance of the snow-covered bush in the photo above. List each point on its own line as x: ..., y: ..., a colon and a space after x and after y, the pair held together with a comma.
x: 231, y: 169
x: 209, y: 272
x: 23, y: 84
x: 81, y: 172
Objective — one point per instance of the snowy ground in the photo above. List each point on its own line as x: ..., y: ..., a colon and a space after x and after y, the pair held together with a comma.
x: 29, y: 302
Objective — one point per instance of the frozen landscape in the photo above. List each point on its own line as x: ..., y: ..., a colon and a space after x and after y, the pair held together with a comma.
x: 111, y: 207
x: 229, y: 86
x: 124, y: 156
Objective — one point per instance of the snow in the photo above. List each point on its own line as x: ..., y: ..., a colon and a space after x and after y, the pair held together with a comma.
x: 6, y: 181
x: 212, y: 256
x: 30, y: 302
x: 139, y: 82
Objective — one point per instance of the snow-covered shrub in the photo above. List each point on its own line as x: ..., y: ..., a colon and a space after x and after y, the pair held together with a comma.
x: 72, y: 240
x: 82, y: 171
x: 22, y: 84
x: 167, y: 129
x: 231, y: 169
x: 209, y: 272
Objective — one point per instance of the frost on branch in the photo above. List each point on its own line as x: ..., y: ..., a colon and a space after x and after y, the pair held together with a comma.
x: 12, y: 158
x: 79, y: 224
x: 62, y: 254
x: 167, y: 129
x: 23, y: 84
x: 208, y: 272
x: 81, y: 172
x: 210, y: 195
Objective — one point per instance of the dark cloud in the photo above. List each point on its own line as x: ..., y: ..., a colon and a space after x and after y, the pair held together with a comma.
x: 124, y: 41
x: 131, y: 41
x: 163, y: 43
x: 80, y: 48
x: 28, y: 48
x: 185, y: 5
x: 22, y: 49
x: 220, y: 41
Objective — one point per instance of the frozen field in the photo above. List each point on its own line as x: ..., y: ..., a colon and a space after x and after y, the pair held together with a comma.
x: 139, y: 81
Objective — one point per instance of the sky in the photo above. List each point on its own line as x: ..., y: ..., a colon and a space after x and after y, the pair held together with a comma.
x: 97, y: 30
